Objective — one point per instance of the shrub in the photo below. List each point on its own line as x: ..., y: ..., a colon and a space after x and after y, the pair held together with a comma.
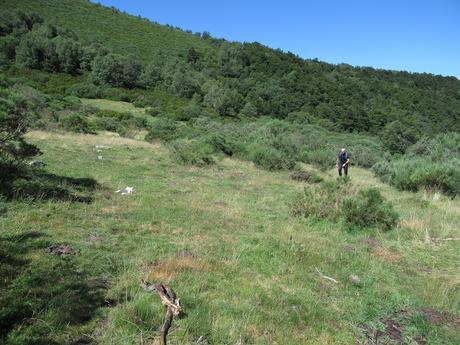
x: 106, y: 124
x: 368, y: 209
x: 397, y: 136
x: 153, y: 111
x: 322, y: 200
x: 220, y: 144
x: 14, y: 119
x: 194, y: 152
x: 162, y: 129
x: 75, y: 123
x: 322, y: 158
x: 116, y: 70
x: 430, y: 163
x: 85, y: 90
x: 415, y: 174
x: 269, y: 158
x: 306, y: 176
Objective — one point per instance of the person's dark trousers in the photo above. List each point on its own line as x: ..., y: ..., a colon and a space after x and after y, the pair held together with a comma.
x: 345, y: 169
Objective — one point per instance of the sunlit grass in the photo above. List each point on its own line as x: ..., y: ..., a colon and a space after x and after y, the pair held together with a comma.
x: 254, y: 269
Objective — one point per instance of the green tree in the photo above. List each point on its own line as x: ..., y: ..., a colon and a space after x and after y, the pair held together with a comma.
x: 13, y: 125
x: 152, y: 75
x: 398, y: 136
x: 116, y: 70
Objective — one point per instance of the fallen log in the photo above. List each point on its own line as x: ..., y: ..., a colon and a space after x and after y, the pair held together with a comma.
x: 169, y: 299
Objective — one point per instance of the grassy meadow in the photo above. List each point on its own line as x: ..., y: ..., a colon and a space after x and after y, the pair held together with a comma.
x: 223, y: 237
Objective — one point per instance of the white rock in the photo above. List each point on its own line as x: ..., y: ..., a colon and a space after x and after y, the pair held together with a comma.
x: 125, y: 191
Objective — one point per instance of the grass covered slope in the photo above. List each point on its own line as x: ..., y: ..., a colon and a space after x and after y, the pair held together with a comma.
x: 224, y: 239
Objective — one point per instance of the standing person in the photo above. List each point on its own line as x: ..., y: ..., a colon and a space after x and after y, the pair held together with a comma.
x: 342, y: 162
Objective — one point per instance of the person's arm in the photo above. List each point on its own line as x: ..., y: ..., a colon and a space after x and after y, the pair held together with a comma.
x: 337, y: 162
x: 346, y: 163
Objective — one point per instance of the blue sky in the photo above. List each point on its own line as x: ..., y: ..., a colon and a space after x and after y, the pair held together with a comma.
x: 416, y: 36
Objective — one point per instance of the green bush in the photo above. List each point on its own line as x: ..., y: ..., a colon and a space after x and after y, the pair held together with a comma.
x: 415, y: 174
x: 368, y: 209
x: 322, y: 200
x: 162, y: 129
x: 85, y: 90
x: 106, y: 124
x: 430, y: 163
x: 194, y: 152
x: 75, y: 123
x: 269, y: 158
x: 220, y: 144
x: 323, y: 158
x: 153, y: 111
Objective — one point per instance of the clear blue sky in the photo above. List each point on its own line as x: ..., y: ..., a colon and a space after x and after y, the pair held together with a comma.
x: 410, y: 35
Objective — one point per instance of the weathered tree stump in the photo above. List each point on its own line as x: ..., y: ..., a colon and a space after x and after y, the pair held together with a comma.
x: 169, y: 299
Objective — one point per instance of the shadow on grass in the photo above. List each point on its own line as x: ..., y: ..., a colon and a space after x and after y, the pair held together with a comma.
x: 40, y: 292
x: 36, y: 185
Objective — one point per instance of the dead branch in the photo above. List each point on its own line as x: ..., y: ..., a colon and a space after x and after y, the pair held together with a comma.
x: 169, y: 299
x: 326, y: 277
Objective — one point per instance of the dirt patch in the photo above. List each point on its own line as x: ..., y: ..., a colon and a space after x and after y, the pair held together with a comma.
x: 371, y: 242
x: 219, y: 203
x: 412, y: 223
x: 111, y: 209
x: 167, y: 270
x: 388, y: 255
x: 393, y: 332
x: 95, y: 237
x: 185, y: 253
x: 305, y: 176
x: 61, y: 250
x: 440, y: 318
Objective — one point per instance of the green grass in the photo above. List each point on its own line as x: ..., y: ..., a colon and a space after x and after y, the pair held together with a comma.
x: 254, y: 271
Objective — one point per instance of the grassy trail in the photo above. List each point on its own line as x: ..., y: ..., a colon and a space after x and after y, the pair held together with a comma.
x: 223, y: 238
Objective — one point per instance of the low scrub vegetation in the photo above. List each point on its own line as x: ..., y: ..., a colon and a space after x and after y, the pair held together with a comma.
x: 428, y: 164
x: 341, y: 200
x: 368, y: 208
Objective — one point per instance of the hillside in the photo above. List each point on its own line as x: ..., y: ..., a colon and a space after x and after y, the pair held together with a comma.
x: 121, y: 32
x: 252, y: 80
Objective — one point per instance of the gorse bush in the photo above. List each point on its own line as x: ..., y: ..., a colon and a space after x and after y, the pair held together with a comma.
x: 76, y: 123
x: 194, y: 152
x: 322, y: 200
x: 269, y: 158
x: 430, y: 163
x: 162, y: 129
x: 367, y: 209
x: 339, y: 199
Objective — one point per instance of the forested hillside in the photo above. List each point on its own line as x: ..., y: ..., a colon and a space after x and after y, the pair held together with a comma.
x: 249, y: 79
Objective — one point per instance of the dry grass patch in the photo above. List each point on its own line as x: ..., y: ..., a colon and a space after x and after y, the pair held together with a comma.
x: 167, y: 270
x: 389, y: 255
x: 88, y: 139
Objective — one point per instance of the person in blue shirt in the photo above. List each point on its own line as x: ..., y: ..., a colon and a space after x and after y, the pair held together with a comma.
x: 342, y: 162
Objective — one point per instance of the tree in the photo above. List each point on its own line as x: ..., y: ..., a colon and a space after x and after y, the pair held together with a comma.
x: 69, y: 54
x: 193, y: 56
x: 116, y: 70
x: 13, y: 125
x: 398, y: 136
x: 184, y: 84
x: 152, y: 75
x: 249, y: 110
x: 230, y: 60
